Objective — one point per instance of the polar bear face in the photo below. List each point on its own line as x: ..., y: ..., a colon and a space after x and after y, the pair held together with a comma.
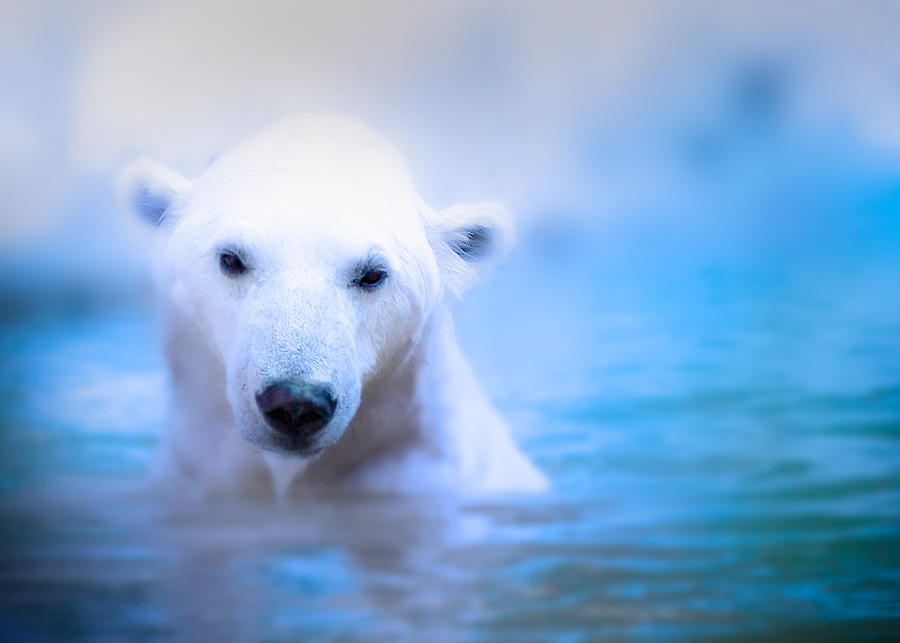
x: 308, y: 263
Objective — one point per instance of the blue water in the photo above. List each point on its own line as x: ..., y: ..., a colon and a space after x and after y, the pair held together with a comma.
x: 720, y: 419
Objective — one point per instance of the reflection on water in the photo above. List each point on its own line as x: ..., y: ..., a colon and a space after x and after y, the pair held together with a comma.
x: 724, y: 444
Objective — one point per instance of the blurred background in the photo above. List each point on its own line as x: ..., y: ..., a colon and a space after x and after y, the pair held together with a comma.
x: 697, y: 338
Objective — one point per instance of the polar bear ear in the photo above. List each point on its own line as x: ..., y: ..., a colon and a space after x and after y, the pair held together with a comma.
x: 467, y: 240
x: 151, y: 190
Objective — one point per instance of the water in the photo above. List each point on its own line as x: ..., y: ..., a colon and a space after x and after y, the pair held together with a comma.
x: 722, y: 430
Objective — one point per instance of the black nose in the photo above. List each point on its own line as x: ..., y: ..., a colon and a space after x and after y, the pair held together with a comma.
x: 296, y: 409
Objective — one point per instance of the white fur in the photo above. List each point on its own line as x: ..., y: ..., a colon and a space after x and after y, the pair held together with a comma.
x: 306, y: 201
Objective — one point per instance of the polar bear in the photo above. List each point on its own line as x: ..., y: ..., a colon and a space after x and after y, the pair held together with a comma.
x: 304, y: 285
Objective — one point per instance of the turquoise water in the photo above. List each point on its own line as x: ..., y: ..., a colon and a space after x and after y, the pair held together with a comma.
x: 721, y: 424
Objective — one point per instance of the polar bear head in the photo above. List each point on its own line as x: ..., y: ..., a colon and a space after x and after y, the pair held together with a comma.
x: 310, y: 265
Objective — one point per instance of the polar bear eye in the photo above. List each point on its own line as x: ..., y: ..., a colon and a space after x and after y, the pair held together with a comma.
x: 371, y: 278
x: 231, y: 264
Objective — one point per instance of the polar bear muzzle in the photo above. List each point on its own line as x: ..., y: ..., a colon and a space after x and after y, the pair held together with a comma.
x: 297, y: 410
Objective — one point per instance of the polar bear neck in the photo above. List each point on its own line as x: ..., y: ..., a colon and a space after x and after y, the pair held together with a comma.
x: 404, y: 409
x: 427, y: 425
